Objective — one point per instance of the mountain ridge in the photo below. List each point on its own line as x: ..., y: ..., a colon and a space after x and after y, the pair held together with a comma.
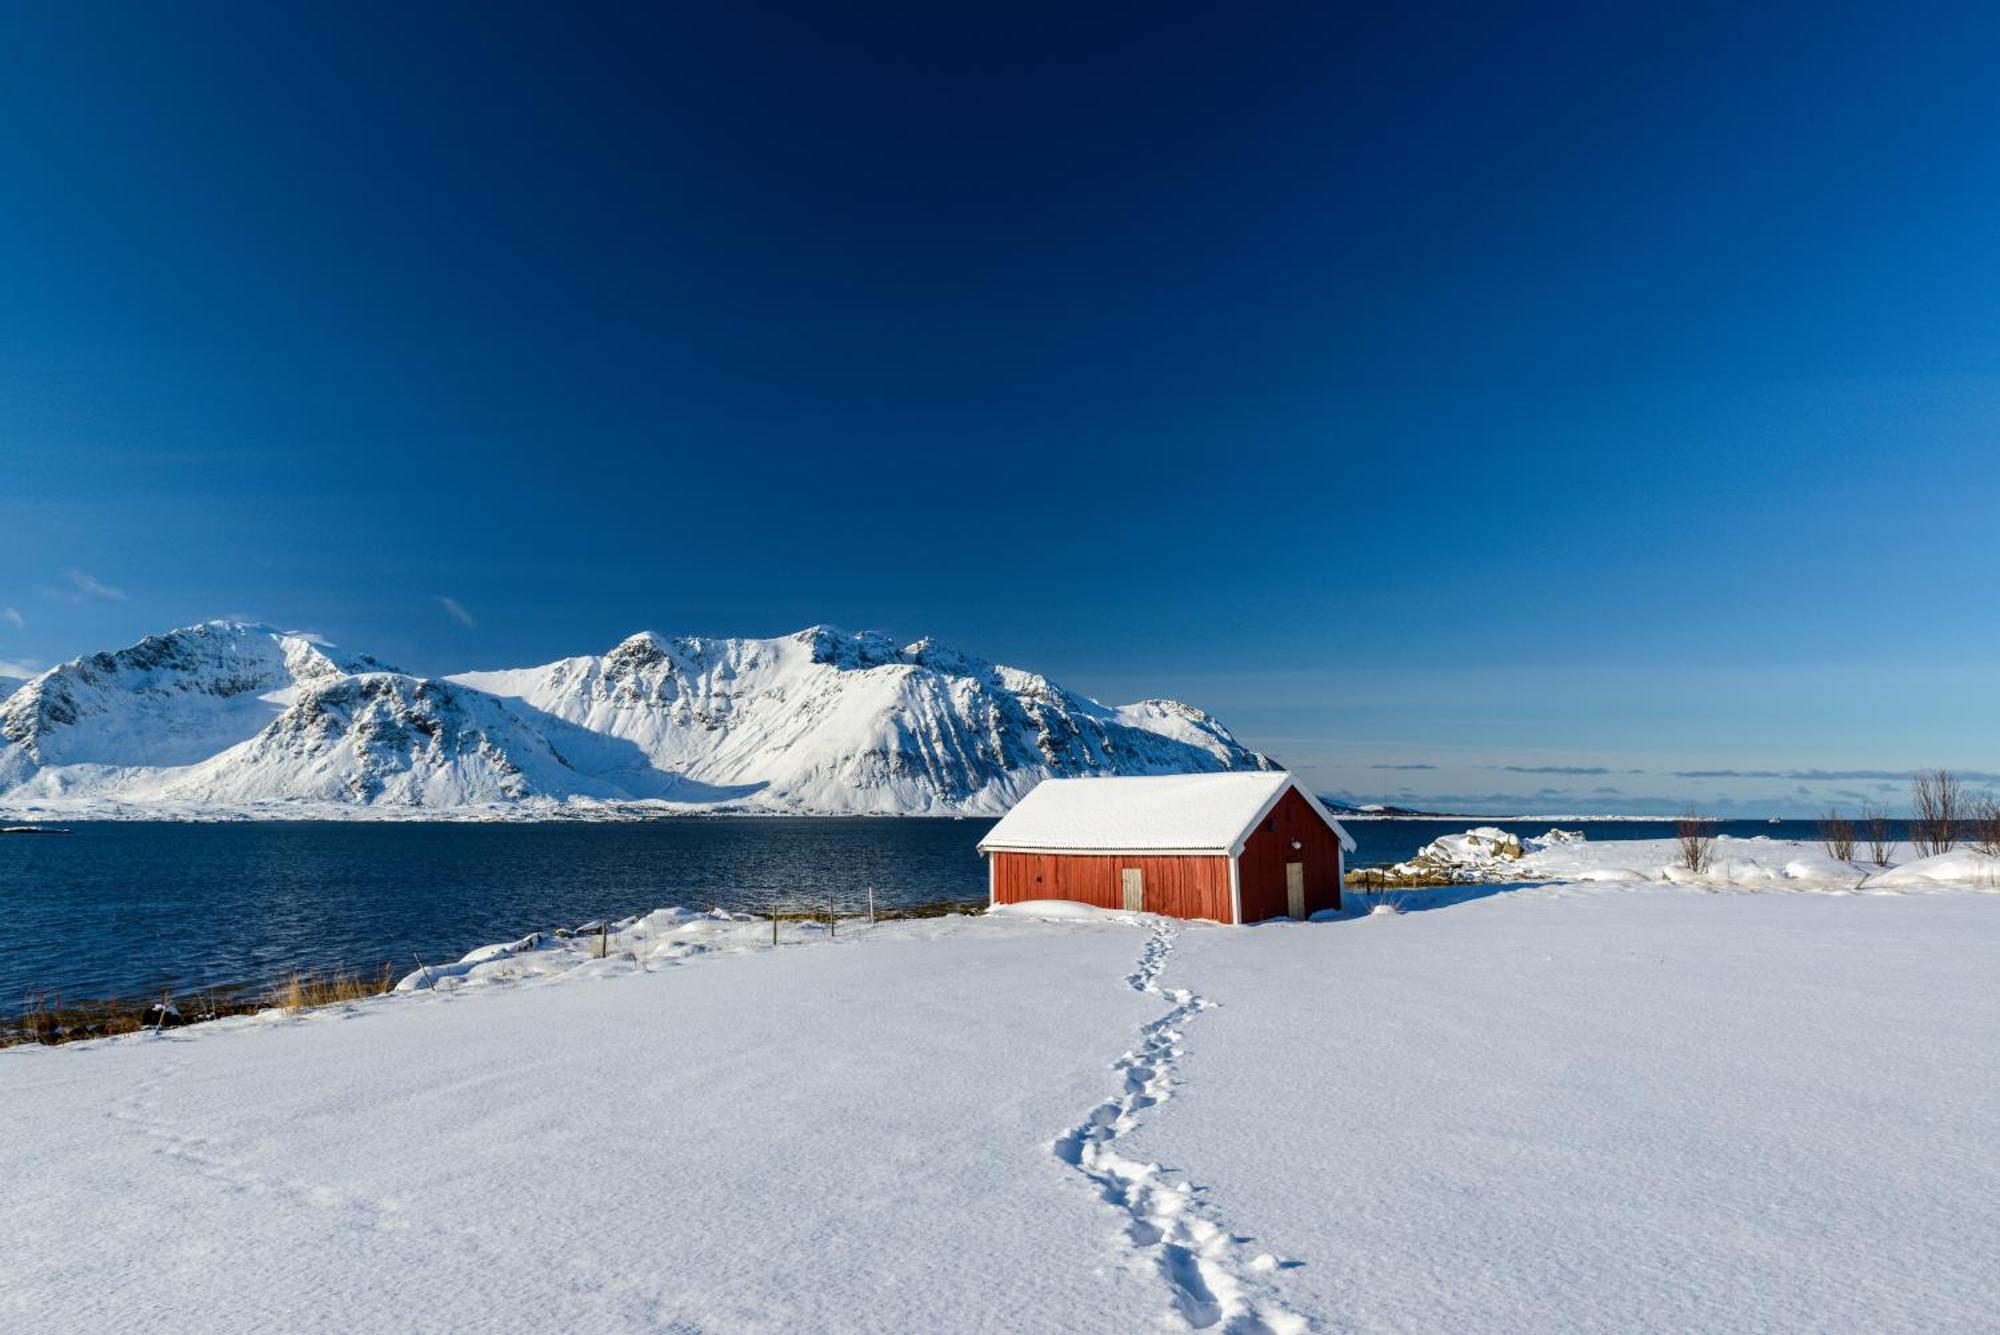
x: 235, y: 718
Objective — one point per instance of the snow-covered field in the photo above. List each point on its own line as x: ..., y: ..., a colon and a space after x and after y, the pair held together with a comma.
x: 1613, y: 1106
x: 1486, y: 854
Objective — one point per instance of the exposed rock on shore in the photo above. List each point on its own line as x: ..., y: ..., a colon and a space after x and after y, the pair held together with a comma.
x: 1479, y: 855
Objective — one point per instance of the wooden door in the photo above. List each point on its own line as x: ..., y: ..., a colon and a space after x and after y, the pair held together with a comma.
x: 1133, y: 881
x: 1295, y: 890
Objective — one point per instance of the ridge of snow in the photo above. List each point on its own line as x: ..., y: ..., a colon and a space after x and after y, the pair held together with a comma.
x: 390, y: 739
x: 230, y: 715
x: 170, y: 699
x: 831, y: 721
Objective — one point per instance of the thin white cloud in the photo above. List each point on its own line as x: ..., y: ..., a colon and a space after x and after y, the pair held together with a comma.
x: 456, y: 611
x: 12, y: 617
x: 92, y: 587
x: 19, y: 667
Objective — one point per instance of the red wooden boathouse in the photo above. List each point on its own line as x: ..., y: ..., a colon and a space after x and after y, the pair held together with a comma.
x: 1236, y: 847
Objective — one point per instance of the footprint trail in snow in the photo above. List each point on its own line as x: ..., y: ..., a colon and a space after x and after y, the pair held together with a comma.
x: 1214, y: 1282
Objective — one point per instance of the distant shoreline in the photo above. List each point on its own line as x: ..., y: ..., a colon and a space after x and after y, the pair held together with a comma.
x: 622, y: 815
x: 335, y: 814
x: 1571, y: 817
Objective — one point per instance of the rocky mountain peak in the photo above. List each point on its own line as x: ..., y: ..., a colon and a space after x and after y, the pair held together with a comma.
x: 230, y: 713
x: 850, y: 650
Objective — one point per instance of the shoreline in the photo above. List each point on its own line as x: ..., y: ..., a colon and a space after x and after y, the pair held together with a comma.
x: 641, y: 813
x: 50, y: 1017
x: 334, y: 813
x: 742, y: 1108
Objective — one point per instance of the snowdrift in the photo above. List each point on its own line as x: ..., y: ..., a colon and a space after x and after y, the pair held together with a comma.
x: 1487, y: 855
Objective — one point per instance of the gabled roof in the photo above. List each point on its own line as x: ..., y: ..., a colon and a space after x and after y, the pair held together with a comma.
x: 1171, y: 813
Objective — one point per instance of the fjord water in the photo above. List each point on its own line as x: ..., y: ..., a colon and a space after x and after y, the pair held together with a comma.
x: 128, y: 908
x: 131, y: 908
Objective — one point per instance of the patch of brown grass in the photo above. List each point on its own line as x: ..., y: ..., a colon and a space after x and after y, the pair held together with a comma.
x: 304, y: 990
x: 46, y: 1018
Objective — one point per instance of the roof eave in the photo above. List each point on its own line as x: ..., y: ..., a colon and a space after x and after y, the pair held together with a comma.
x: 1212, y: 852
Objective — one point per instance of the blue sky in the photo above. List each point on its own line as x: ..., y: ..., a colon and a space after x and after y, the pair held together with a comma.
x: 1519, y: 395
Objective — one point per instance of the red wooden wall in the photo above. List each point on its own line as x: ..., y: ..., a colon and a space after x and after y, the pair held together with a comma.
x: 1261, y: 865
x: 1182, y: 885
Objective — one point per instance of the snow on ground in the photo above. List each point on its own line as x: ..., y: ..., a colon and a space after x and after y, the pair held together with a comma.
x: 1613, y: 1110
x: 832, y: 1138
x: 1588, y: 1106
x: 1487, y: 854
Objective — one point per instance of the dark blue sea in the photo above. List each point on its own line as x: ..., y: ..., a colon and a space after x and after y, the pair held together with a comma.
x: 123, y: 909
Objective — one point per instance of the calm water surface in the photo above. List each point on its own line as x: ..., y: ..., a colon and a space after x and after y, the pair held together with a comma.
x: 125, y: 908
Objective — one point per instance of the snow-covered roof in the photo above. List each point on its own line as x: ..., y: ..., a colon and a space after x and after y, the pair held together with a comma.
x: 1170, y: 813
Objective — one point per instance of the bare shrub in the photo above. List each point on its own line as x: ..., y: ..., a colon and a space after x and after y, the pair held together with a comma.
x: 1880, y: 834
x: 1836, y: 832
x: 1983, y: 824
x: 1937, y: 812
x: 1696, y: 838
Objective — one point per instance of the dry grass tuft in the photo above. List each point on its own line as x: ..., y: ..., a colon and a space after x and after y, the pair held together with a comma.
x: 304, y: 990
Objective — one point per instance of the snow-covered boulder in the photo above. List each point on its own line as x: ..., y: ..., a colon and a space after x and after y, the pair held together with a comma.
x: 1485, y: 853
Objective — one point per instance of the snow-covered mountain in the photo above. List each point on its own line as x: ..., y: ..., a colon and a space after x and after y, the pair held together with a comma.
x: 387, y: 739
x: 230, y: 717
x: 9, y: 685
x: 828, y: 721
x: 170, y: 699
